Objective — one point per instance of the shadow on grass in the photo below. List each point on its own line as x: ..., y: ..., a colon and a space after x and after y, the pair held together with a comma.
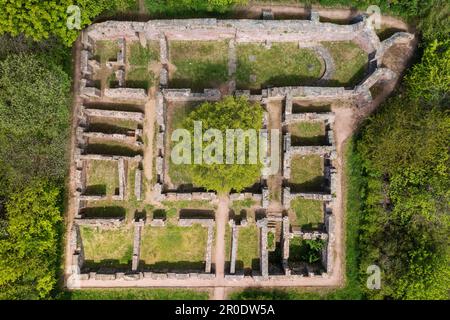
x: 108, y: 128
x: 114, y: 106
x: 109, y: 149
x: 95, y: 190
x: 196, y: 214
x: 107, y: 266
x: 313, y: 185
x: 308, y: 141
x: 103, y: 212
x: 298, y: 108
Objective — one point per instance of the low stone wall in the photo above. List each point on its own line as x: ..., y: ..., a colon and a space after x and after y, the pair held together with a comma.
x: 327, y: 117
x: 134, y: 276
x: 138, y: 226
x: 103, y: 223
x: 126, y: 94
x: 288, y: 197
x: 264, y: 254
x: 174, y: 196
x: 328, y: 252
x: 188, y: 95
x: 286, y: 235
x: 125, y: 115
x: 138, y: 184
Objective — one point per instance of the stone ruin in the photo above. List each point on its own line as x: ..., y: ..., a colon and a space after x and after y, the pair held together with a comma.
x: 308, y: 34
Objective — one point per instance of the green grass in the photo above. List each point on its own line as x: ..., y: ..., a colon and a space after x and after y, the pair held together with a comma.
x: 179, y: 173
x: 248, y: 248
x: 284, y: 64
x: 111, y: 125
x: 112, y: 148
x: 350, y: 62
x: 102, y: 177
x: 134, y: 294
x: 307, y: 173
x: 307, y: 133
x: 106, y: 50
x: 189, y: 204
x: 309, y: 213
x: 271, y: 245
x: 139, y: 77
x: 140, y: 56
x: 173, y: 247
x: 198, y: 64
x: 107, y: 248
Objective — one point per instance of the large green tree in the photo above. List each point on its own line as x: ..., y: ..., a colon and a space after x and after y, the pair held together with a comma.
x: 29, y: 248
x: 230, y: 113
x: 40, y: 19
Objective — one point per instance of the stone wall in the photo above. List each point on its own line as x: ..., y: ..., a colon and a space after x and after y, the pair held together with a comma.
x: 264, y: 253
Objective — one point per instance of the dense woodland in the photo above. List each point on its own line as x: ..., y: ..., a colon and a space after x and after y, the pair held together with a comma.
x: 398, y: 192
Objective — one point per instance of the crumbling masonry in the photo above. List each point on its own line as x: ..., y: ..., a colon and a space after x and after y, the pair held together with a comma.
x: 307, y: 34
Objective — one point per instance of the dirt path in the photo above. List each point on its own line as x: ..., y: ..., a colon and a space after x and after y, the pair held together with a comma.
x: 149, y: 133
x: 76, y: 103
x: 221, y: 223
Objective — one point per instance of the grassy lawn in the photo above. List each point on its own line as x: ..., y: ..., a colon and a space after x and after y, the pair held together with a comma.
x: 139, y: 56
x: 284, y: 64
x: 189, y: 204
x: 107, y: 248
x: 227, y: 243
x: 248, y: 248
x: 106, y: 50
x: 307, y: 173
x: 111, y: 148
x: 311, y: 107
x: 111, y: 125
x: 139, y: 77
x: 179, y: 174
x: 350, y: 62
x: 135, y: 294
x: 173, y: 247
x: 307, y: 133
x: 309, y: 213
x: 102, y: 177
x: 198, y: 64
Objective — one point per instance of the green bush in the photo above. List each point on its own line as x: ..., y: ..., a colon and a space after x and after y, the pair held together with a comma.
x: 29, y: 252
x: 41, y: 19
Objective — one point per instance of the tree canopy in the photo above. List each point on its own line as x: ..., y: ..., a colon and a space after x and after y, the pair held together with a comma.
x: 39, y: 19
x: 34, y: 120
x: 230, y: 113
x: 29, y: 251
